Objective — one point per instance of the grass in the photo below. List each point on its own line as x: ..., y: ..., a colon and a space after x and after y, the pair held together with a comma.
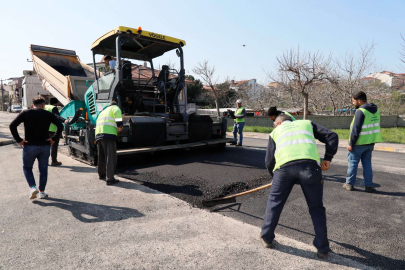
x: 389, y: 135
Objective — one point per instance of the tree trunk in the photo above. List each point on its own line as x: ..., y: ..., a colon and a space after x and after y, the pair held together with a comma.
x: 305, y: 95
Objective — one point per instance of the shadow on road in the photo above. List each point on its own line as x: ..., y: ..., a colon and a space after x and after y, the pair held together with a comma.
x: 359, y: 187
x: 90, y: 212
x: 365, y: 257
x: 84, y: 169
x: 134, y: 186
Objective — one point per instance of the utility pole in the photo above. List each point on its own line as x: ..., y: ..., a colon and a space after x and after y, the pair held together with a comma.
x: 2, y: 95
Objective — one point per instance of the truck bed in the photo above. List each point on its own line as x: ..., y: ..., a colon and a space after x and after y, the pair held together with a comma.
x: 61, y: 72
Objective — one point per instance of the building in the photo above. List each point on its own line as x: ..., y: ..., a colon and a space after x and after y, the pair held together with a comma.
x: 252, y: 88
x: 15, y: 92
x: 393, y: 80
x: 31, y: 87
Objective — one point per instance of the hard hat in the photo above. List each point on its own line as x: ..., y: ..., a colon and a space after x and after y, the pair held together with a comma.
x: 239, y: 101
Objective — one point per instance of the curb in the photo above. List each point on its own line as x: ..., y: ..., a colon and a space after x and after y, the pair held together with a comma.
x: 377, y: 148
x: 7, y: 142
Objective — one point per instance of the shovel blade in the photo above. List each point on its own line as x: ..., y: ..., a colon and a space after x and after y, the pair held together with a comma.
x: 210, y: 203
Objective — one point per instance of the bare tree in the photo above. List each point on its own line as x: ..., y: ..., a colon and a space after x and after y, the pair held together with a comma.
x: 298, y: 72
x: 206, y: 73
x: 347, y: 74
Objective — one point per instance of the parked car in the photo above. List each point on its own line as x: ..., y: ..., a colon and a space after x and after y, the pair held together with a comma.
x: 16, y: 108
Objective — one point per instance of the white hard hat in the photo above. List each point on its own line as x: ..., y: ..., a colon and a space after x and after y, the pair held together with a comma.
x: 239, y: 101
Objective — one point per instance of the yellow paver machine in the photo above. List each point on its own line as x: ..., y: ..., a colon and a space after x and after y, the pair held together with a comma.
x: 153, y: 102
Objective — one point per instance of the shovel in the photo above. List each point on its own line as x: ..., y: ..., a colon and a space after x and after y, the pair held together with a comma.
x: 231, y: 198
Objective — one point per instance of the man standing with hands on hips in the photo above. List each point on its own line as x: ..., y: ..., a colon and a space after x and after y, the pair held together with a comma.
x: 37, y: 143
x: 239, y: 124
x: 365, y: 131
x: 292, y: 157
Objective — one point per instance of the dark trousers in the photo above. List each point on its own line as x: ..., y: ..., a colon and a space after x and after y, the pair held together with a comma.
x: 30, y: 154
x: 309, y: 176
x: 54, y: 148
x: 107, y: 158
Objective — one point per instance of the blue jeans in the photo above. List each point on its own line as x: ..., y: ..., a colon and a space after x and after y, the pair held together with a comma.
x: 309, y: 176
x: 238, y: 128
x: 30, y: 153
x: 363, y: 153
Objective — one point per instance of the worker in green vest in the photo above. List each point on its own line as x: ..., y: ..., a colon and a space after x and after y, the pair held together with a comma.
x: 52, y: 107
x: 239, y: 123
x: 272, y: 113
x: 292, y: 157
x: 365, y: 131
x: 109, y: 124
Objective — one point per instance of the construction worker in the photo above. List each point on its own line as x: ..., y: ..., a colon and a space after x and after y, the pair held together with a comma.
x: 239, y: 123
x: 272, y: 113
x: 292, y: 157
x: 37, y: 143
x: 52, y: 108
x: 109, y: 63
x: 109, y: 124
x: 364, y: 133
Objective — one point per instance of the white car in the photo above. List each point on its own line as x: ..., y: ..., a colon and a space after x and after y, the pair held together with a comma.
x: 16, y: 108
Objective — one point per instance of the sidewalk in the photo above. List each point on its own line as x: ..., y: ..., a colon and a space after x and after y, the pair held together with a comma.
x: 87, y: 225
x: 387, y: 147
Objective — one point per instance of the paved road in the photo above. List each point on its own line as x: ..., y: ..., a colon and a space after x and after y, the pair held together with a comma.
x: 364, y: 227
x: 5, y: 120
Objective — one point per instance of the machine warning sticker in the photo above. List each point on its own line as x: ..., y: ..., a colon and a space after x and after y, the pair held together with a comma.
x: 153, y: 35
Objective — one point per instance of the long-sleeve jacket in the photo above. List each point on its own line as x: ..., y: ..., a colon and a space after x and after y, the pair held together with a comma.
x: 328, y: 137
x: 358, y: 122
x: 36, y: 126
x: 55, y: 111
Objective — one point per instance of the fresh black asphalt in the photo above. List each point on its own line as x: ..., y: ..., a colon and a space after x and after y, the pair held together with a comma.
x: 365, y: 227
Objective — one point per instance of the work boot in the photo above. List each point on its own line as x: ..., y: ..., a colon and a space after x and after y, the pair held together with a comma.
x: 348, y: 187
x: 322, y: 255
x: 102, y: 177
x: 239, y: 144
x: 112, y: 182
x: 233, y: 143
x: 267, y: 245
x: 369, y: 189
x: 56, y: 163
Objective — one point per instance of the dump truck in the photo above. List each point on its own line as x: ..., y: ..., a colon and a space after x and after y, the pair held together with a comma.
x: 154, y: 108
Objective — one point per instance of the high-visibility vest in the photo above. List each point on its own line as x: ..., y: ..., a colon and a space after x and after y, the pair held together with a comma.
x: 239, y: 112
x: 294, y: 141
x: 370, y: 130
x: 292, y: 117
x: 52, y: 127
x: 107, y: 120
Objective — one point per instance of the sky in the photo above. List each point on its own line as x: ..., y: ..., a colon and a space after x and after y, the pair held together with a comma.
x: 214, y: 30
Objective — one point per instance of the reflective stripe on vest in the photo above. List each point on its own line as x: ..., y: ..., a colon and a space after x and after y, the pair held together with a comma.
x: 239, y: 112
x: 294, y: 141
x: 370, y: 130
x: 107, y: 120
x: 292, y: 117
x: 52, y: 127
